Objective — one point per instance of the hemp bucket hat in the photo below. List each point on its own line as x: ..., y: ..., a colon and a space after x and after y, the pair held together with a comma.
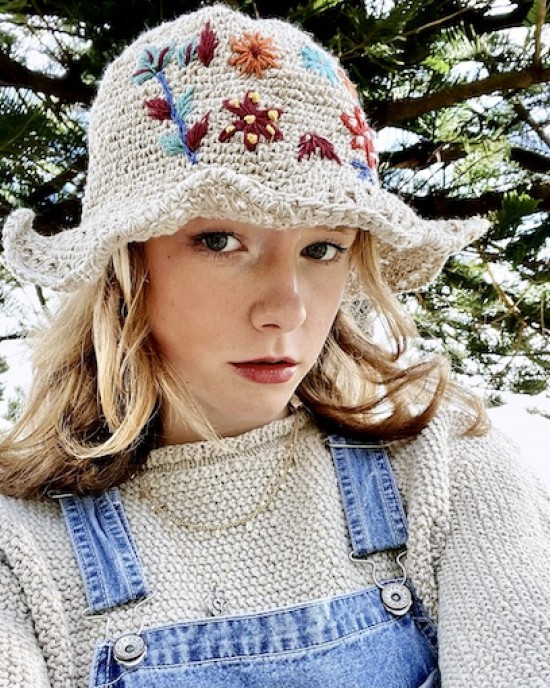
x: 219, y: 115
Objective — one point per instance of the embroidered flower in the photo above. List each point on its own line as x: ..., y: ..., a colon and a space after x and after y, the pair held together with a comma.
x: 253, y: 121
x: 348, y: 83
x: 363, y: 138
x: 186, y: 139
x: 313, y: 144
x: 253, y: 54
x: 320, y: 63
x: 365, y: 171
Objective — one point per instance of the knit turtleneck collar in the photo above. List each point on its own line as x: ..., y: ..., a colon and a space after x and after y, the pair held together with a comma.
x: 208, y: 452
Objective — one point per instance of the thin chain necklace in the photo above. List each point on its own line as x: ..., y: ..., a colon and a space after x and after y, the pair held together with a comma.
x: 267, y: 498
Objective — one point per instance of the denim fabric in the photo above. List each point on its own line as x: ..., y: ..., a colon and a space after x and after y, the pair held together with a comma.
x: 374, y: 513
x: 349, y: 641
x: 105, y: 550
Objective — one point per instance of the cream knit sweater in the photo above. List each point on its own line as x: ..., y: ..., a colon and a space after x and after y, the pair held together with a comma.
x: 479, y: 553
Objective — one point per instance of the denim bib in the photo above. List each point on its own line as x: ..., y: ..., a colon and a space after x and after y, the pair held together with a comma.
x: 378, y: 637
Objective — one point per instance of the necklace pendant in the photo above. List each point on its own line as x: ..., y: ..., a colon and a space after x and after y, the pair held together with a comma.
x: 217, y: 603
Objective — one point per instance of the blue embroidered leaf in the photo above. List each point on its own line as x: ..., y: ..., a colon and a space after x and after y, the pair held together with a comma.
x: 172, y: 144
x: 140, y: 76
x: 151, y: 62
x: 164, y: 57
x: 184, y: 104
x: 187, y: 53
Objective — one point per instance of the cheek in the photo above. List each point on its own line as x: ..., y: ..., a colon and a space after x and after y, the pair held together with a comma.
x: 328, y: 295
x: 188, y: 308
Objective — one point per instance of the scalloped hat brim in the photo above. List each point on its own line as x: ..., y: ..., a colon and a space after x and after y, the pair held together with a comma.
x: 412, y: 250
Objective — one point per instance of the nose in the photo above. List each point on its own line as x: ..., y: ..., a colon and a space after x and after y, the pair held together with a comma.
x: 279, y: 300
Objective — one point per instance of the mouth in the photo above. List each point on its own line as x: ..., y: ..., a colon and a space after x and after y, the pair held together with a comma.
x: 267, y: 370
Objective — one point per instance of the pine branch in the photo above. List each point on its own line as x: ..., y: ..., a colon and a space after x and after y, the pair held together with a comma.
x: 58, y: 182
x: 541, y: 16
x: 427, y: 153
x: 481, y: 22
x: 14, y: 336
x: 524, y: 115
x: 68, y: 89
x: 394, y: 111
x: 438, y: 205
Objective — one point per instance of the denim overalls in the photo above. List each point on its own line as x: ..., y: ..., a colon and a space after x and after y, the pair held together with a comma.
x: 375, y: 638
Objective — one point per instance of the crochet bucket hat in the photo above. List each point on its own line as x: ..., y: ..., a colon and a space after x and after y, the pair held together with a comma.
x: 219, y: 115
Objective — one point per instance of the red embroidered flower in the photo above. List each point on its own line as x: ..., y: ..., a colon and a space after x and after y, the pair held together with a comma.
x: 253, y: 121
x: 253, y: 54
x: 363, y: 138
x: 311, y: 144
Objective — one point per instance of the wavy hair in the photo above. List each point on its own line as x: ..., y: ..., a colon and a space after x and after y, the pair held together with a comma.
x: 100, y: 388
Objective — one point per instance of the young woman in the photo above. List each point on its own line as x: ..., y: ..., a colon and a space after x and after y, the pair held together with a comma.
x: 221, y: 477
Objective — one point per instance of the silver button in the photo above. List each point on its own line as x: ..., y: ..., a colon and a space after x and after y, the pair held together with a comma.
x: 130, y: 650
x: 396, y: 598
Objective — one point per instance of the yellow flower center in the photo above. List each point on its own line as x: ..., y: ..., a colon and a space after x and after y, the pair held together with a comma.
x: 250, y: 119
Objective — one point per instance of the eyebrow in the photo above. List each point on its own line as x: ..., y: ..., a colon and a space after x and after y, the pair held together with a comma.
x: 342, y: 230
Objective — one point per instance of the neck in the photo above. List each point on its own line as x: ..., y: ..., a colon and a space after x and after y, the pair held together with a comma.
x: 175, y: 430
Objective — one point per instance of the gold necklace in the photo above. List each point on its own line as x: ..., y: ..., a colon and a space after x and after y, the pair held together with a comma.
x: 269, y: 494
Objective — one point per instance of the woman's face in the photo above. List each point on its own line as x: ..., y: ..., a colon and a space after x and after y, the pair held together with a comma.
x: 241, y: 312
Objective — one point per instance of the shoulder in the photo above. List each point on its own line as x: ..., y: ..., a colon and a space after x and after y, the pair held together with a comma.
x: 27, y: 518
x: 444, y: 450
x: 481, y: 481
x: 33, y: 541
x: 461, y: 492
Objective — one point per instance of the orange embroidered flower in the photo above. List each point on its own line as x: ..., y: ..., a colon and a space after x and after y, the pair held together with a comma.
x: 348, y: 83
x: 253, y: 54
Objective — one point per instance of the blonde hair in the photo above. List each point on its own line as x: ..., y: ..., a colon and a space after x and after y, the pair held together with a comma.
x: 94, y: 410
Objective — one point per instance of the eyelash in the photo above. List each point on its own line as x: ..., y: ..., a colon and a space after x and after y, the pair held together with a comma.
x: 198, y: 243
x: 340, y: 252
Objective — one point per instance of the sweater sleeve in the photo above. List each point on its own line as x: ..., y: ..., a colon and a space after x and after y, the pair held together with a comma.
x: 22, y: 664
x: 494, y: 614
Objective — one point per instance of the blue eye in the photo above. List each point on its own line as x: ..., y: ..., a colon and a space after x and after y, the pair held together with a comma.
x: 323, y: 250
x: 220, y: 242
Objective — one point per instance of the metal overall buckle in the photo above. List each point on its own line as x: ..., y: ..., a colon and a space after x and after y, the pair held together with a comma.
x: 395, y: 595
x: 129, y: 649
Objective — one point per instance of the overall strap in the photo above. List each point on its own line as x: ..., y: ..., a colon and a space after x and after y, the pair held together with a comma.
x: 372, y: 504
x: 105, y: 550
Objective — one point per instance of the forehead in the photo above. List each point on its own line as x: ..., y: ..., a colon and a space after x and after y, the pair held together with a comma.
x: 202, y: 224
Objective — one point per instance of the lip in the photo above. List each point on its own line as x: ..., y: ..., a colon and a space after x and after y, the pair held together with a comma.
x: 267, y: 370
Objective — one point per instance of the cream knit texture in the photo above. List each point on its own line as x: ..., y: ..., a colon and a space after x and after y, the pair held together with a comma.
x: 479, y: 553
x: 219, y: 115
